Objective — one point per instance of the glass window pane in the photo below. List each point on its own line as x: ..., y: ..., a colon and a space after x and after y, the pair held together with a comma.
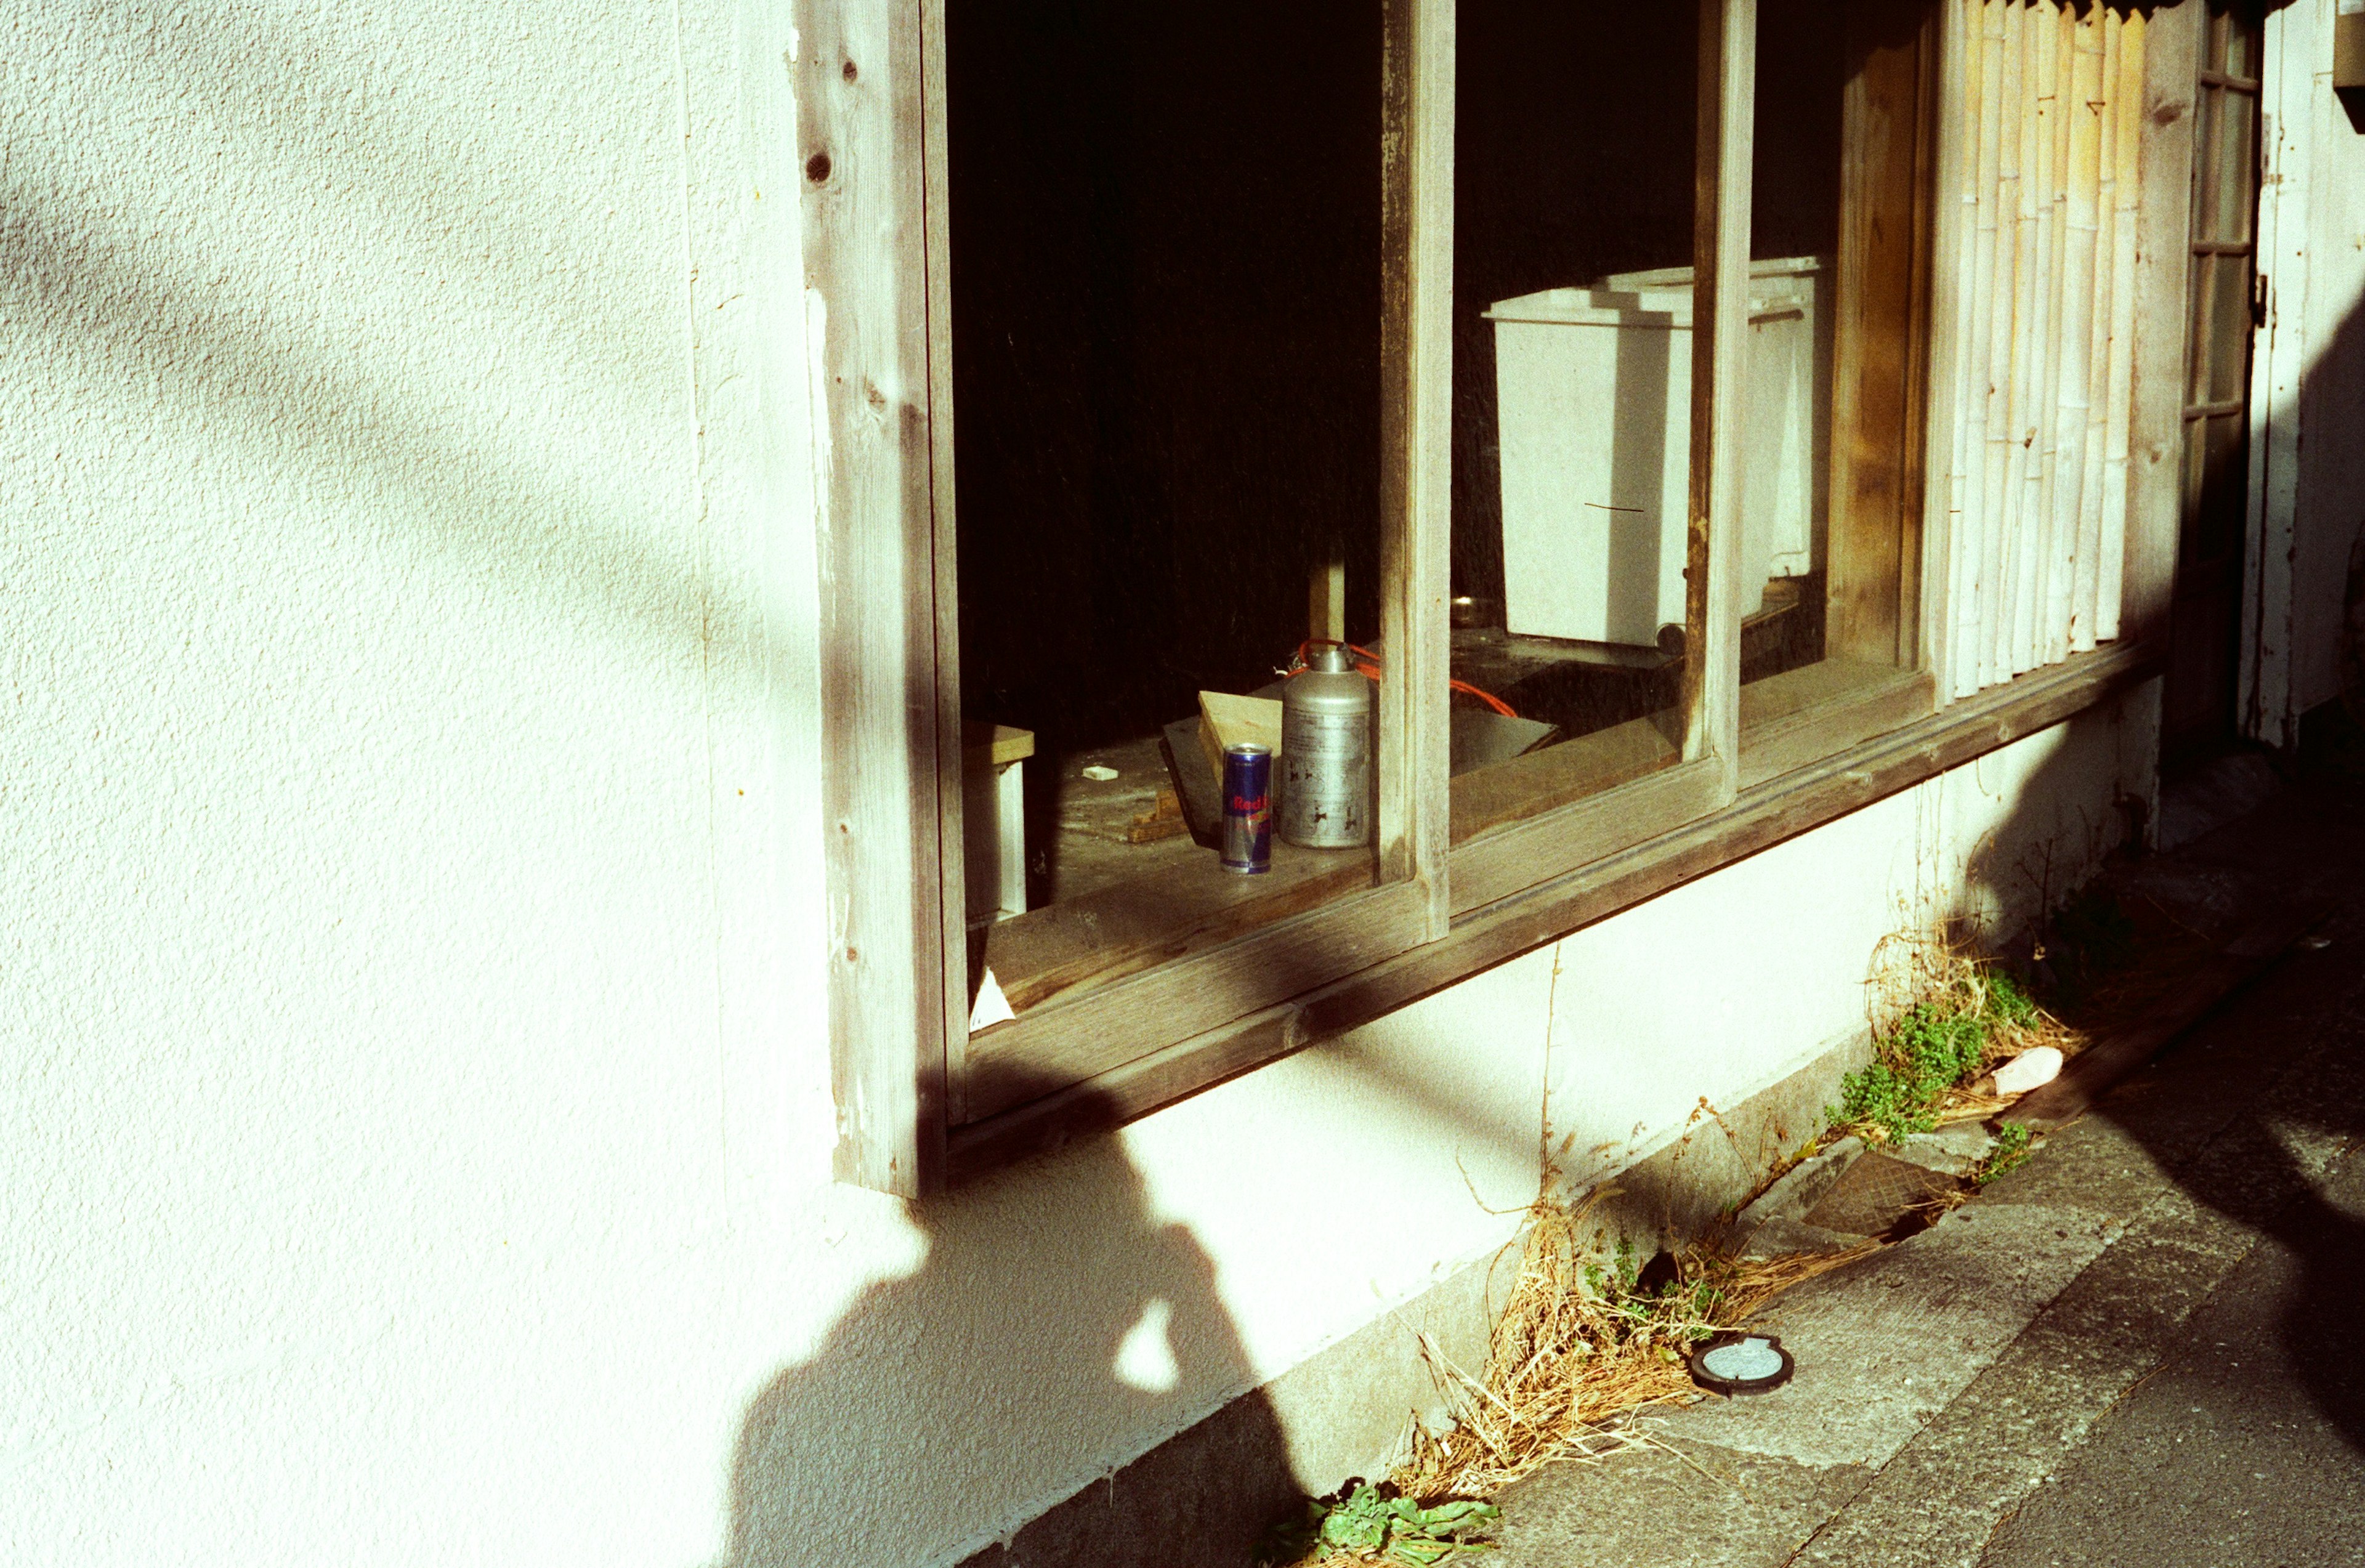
x: 1834, y: 426
x: 1572, y: 373
x: 1166, y: 299
x: 2196, y: 388
x: 2239, y: 51
x: 2229, y: 329
x: 2229, y: 199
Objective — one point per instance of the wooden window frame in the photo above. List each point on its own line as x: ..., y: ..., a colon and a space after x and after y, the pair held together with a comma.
x: 918, y: 1106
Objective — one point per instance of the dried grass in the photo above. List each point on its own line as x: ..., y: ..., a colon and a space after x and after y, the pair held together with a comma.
x: 1929, y: 974
x: 1579, y: 1352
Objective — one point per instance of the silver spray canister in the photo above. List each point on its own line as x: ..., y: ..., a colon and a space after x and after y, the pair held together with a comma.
x: 1325, y: 753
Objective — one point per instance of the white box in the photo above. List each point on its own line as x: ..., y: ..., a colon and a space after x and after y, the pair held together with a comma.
x: 1593, y: 414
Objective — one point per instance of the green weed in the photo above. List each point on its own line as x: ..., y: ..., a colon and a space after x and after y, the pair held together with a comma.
x: 1372, y: 1524
x: 2011, y: 1150
x: 1933, y: 1047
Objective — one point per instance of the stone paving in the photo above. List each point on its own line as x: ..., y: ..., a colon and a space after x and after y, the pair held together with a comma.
x: 2146, y: 1346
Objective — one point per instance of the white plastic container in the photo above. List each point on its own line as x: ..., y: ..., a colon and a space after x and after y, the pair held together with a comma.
x: 1594, y: 412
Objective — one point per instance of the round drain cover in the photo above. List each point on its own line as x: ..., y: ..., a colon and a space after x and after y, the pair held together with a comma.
x: 1741, y: 1363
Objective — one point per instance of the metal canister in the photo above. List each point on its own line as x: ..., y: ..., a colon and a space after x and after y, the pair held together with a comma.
x: 1325, y: 753
x: 1248, y: 808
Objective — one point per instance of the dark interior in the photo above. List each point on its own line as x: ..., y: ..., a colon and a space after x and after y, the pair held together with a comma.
x: 1165, y: 275
x: 1166, y: 298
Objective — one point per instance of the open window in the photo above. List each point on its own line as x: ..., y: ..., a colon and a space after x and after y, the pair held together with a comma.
x: 1184, y: 289
x: 1577, y: 640
x: 1589, y: 425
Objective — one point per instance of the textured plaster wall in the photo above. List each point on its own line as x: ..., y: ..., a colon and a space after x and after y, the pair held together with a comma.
x: 415, y: 1126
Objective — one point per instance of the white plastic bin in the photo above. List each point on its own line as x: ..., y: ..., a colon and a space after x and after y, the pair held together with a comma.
x: 1594, y: 412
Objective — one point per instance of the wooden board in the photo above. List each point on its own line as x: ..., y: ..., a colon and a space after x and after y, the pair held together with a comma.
x: 1226, y: 721
x: 1083, y: 1035
x: 1077, y: 945
x: 1802, y: 715
x: 990, y: 745
x: 1761, y: 817
x: 1721, y: 207
x: 1515, y: 856
x: 2166, y: 50
x: 893, y: 927
x: 1879, y: 349
x: 1546, y: 781
x: 1416, y: 107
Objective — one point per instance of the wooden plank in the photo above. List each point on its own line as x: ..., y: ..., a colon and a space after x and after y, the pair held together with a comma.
x: 1517, y: 855
x: 951, y: 746
x: 861, y: 113
x: 2087, y: 588
x: 1955, y: 116
x: 2014, y: 265
x: 1545, y: 781
x: 1966, y: 648
x: 2126, y: 227
x: 990, y: 745
x: 1078, y: 944
x: 1803, y: 716
x: 1416, y: 445
x: 1226, y: 721
x: 2290, y: 113
x: 2081, y: 234
x: 1072, y: 1039
x: 1727, y: 90
x: 1326, y: 599
x: 2032, y: 341
x: 2165, y: 47
x: 1759, y: 818
x: 1877, y: 358
x: 1920, y: 344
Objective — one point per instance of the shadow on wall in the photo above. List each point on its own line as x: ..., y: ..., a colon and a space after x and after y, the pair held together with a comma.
x: 1050, y: 1328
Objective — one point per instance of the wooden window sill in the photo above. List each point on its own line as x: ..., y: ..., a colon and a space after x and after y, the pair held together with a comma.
x: 1795, y: 719
x: 1765, y: 813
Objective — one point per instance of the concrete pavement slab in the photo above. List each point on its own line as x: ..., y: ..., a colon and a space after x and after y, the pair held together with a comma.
x: 1882, y: 1347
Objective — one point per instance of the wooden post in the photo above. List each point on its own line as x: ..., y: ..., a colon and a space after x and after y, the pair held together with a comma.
x: 2085, y: 617
x: 1728, y: 91
x: 2294, y: 46
x: 2032, y: 319
x: 2074, y: 342
x: 1985, y: 373
x: 1947, y: 502
x: 886, y: 695
x: 2165, y: 49
x: 1416, y: 443
x: 2126, y: 227
x: 2012, y: 266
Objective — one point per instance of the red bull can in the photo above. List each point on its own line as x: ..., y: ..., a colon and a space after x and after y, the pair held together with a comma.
x: 1248, y: 808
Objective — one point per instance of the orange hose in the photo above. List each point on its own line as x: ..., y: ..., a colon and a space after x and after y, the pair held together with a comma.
x: 1367, y: 665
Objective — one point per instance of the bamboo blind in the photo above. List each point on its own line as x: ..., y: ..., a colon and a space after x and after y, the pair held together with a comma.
x: 2046, y: 125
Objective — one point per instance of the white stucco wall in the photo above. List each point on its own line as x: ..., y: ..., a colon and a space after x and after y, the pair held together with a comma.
x: 416, y: 1103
